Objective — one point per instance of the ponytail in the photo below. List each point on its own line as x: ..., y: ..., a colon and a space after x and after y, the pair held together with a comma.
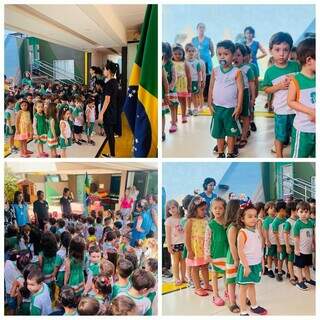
x: 113, y: 67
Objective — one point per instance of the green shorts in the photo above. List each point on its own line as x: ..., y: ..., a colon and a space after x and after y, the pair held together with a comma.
x: 291, y: 255
x: 303, y: 144
x: 283, y: 254
x: 223, y: 123
x: 245, y: 104
x: 283, y: 124
x: 253, y: 277
x: 8, y: 132
x: 272, y: 251
x: 194, y: 87
x: 89, y: 129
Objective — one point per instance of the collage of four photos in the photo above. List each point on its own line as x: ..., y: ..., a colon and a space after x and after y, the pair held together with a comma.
x: 163, y: 234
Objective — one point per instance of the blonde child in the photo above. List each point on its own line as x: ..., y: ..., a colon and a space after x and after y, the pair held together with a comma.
x: 65, y: 131
x: 175, y: 240
x: 195, y: 230
x: 250, y: 254
x: 216, y: 245
x: 90, y: 119
x: 232, y: 261
x: 183, y: 83
x: 40, y: 129
x: 23, y: 128
x: 53, y: 130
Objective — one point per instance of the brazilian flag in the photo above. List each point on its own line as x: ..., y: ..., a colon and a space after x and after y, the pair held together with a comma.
x: 141, y: 105
x: 86, y: 195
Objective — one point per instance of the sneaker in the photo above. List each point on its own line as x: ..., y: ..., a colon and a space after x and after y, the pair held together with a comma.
x: 221, y: 155
x: 215, y: 149
x: 265, y: 272
x: 244, y: 314
x: 236, y: 150
x: 312, y: 282
x: 190, y: 113
x: 276, y: 270
x: 253, y: 127
x: 232, y: 155
x: 14, y: 150
x: 302, y: 286
x: 270, y: 274
x: 259, y: 310
x: 279, y: 277
x: 78, y: 142
x: 92, y: 142
x: 195, y: 112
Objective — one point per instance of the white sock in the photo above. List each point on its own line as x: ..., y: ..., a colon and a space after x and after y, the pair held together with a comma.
x: 253, y: 307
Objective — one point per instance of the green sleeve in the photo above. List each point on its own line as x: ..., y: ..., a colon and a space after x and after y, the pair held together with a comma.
x: 250, y: 75
x: 35, y: 311
x: 58, y: 261
x: 198, y: 67
x: 149, y: 312
x: 267, y: 81
x: 265, y: 224
x: 296, y: 230
x: 7, y: 115
x: 287, y: 227
x: 275, y: 225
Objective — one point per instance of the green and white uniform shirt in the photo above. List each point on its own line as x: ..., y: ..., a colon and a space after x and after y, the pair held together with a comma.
x: 41, y: 302
x: 78, y: 117
x: 144, y: 305
x: 225, y: 90
x: 306, y: 95
x: 275, y: 75
x: 288, y: 227
x: 247, y: 74
x: 305, y: 232
x: 195, y: 68
x: 267, y: 225
x: 277, y: 227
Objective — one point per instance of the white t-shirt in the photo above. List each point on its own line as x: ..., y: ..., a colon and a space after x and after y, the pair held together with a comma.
x: 177, y: 232
x: 11, y: 273
x: 252, y: 246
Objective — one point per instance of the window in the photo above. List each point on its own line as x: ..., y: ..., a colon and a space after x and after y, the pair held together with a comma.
x: 63, y: 69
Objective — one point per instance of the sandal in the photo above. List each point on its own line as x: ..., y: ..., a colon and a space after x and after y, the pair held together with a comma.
x: 201, y: 292
x: 242, y: 143
x: 234, y: 308
x: 293, y: 281
x: 208, y: 288
x: 248, y: 302
x: 219, y: 302
x: 178, y: 283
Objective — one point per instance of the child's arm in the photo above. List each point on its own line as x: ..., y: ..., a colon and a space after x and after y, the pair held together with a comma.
x: 88, y: 284
x: 67, y: 272
x: 18, y: 122
x: 63, y: 130
x: 266, y: 234
x: 207, y: 243
x: 241, y: 242
x: 296, y: 105
x: 188, y: 239
x: 240, y: 87
x: 35, y: 132
x: 286, y: 240
x: 283, y: 85
x: 260, y: 230
x: 40, y: 261
x: 165, y: 87
x: 139, y: 224
x: 168, y: 238
x: 53, y: 129
x: 276, y: 235
x: 232, y: 239
x: 199, y: 75
x: 297, y: 245
x: 188, y: 74
x: 252, y: 89
x: 210, y: 91
x: 174, y: 78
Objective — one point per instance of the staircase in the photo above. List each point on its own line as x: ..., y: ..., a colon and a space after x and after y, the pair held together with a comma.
x: 299, y: 188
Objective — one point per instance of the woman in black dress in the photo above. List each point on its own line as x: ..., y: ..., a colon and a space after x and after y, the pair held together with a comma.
x: 108, y: 114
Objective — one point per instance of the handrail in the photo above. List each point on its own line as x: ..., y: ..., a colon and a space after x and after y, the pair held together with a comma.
x: 297, y: 179
x: 51, y: 76
x: 61, y: 71
x: 299, y: 186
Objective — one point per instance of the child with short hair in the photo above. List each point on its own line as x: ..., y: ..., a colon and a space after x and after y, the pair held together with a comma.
x: 122, y: 306
x: 277, y: 229
x: 195, y: 71
x: 90, y: 119
x: 142, y: 281
x: 94, y: 266
x: 69, y: 301
x: 78, y: 119
x: 250, y: 254
x: 304, y: 236
x: 10, y: 125
x: 271, y: 248
x: 276, y: 81
x: 302, y: 99
x: 124, y: 270
x: 40, y: 294
x: 40, y: 129
x: 88, y: 307
x: 289, y: 238
x: 225, y: 99
x: 216, y: 245
x: 175, y: 241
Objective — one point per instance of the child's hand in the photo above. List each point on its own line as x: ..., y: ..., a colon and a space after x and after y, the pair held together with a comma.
x: 236, y: 114
x: 288, y: 249
x: 170, y: 250
x: 190, y: 255
x: 246, y: 271
x: 296, y: 252
x: 283, y: 85
x: 313, y: 248
x: 100, y: 118
x: 252, y: 103
x: 279, y: 249
x: 236, y: 262
x: 312, y: 115
x: 268, y: 243
x: 203, y: 84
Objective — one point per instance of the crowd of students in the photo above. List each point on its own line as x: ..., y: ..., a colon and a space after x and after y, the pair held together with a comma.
x: 240, y: 241
x: 102, y: 264
x: 289, y: 82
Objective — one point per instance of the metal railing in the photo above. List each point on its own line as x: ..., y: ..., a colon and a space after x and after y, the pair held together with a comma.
x: 298, y: 186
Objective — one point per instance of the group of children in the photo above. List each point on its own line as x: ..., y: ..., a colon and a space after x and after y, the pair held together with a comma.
x: 240, y: 241
x: 56, y: 119
x: 80, y: 266
x: 234, y: 87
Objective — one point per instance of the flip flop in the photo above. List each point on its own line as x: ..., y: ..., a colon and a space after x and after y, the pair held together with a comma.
x: 208, y: 288
x: 234, y: 308
x: 201, y: 292
x: 218, y: 301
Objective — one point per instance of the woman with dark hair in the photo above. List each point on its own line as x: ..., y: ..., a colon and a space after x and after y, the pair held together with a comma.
x: 20, y: 209
x: 27, y: 79
x: 206, y: 52
x: 95, y: 74
x: 254, y: 45
x: 108, y: 114
x: 208, y: 194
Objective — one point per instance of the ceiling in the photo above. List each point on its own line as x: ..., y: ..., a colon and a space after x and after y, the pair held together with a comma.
x: 83, y: 27
x: 18, y: 167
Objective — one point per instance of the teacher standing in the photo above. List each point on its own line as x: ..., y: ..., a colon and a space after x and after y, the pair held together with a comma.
x: 108, y: 114
x: 206, y: 51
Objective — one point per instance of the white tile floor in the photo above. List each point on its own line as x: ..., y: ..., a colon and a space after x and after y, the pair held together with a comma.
x: 278, y: 298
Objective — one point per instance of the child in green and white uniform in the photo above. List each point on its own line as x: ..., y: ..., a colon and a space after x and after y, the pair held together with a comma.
x: 271, y: 248
x: 302, y: 99
x: 289, y: 239
x: 48, y: 265
x: 277, y: 229
x: 53, y: 130
x: 124, y: 270
x: 90, y: 119
x: 10, y: 123
x: 65, y: 132
x: 216, y: 245
x: 276, y: 82
x: 40, y: 128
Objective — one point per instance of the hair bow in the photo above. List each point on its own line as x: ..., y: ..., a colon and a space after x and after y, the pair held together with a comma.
x: 245, y: 203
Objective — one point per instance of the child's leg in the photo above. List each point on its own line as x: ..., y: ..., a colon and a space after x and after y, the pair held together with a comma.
x: 245, y: 128
x: 173, y: 120
x: 279, y: 147
x: 189, y: 273
x: 243, y: 289
x: 307, y: 272
x: 290, y: 268
x: 63, y: 153
x: 252, y: 295
x: 230, y: 143
x: 11, y: 141
x: 201, y: 97
x: 280, y: 264
x: 205, y: 275
x: 220, y: 143
x: 195, y: 277
x: 215, y: 287
x: 299, y: 275
x: 269, y: 262
x: 183, y: 104
x: 175, y: 266
x: 182, y: 267
x: 231, y: 293
x: 163, y: 124
x: 195, y: 101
